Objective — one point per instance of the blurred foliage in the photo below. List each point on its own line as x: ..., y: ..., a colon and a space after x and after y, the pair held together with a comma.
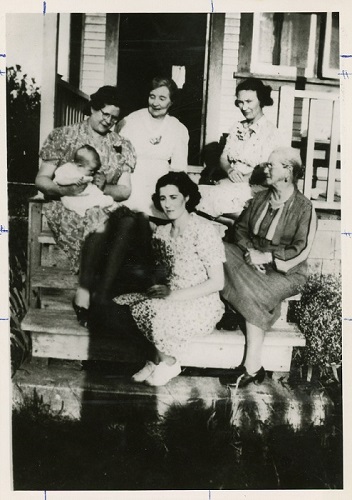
x: 319, y: 316
x: 23, y: 120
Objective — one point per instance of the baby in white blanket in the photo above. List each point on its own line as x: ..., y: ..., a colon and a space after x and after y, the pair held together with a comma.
x: 81, y: 171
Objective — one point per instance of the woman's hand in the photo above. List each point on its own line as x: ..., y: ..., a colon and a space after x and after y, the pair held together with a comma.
x: 257, y: 259
x: 100, y: 180
x: 158, y: 292
x: 234, y: 175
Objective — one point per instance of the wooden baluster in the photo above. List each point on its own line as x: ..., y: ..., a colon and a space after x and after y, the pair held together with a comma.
x: 334, y: 142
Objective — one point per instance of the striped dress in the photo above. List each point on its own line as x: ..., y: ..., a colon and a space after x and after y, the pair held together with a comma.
x: 287, y: 232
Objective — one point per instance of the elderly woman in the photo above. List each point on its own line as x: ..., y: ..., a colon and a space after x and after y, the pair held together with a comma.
x: 160, y: 141
x: 249, y: 143
x: 82, y: 237
x: 266, y: 262
x: 191, y: 250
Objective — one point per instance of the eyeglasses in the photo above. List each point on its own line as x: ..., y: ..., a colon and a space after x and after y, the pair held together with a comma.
x: 108, y: 117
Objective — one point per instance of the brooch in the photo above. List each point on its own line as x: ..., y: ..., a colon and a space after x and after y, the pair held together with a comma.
x: 155, y: 140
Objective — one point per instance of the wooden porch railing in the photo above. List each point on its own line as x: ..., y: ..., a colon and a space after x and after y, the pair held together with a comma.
x: 321, y: 156
x: 70, y: 103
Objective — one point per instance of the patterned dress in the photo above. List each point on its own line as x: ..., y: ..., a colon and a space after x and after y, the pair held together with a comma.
x: 171, y: 324
x: 70, y: 229
x: 250, y: 145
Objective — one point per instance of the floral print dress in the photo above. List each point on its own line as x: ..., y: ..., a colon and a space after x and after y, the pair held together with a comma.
x: 70, y: 229
x: 170, y: 324
x: 249, y: 145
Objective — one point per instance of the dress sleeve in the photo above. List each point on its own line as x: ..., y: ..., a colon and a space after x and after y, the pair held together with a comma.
x: 289, y: 256
x: 54, y: 147
x: 179, y: 157
x: 209, y: 246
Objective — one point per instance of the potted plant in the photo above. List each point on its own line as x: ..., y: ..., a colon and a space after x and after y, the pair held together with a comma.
x: 319, y: 317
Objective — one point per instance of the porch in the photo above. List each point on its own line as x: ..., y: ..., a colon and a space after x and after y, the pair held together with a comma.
x: 51, y: 322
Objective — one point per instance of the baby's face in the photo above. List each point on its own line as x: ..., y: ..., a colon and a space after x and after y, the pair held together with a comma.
x: 88, y: 169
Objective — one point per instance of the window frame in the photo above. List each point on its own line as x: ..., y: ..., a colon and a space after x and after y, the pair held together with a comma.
x: 327, y: 70
x: 283, y: 70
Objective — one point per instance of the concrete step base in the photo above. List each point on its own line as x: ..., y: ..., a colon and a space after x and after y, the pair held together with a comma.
x: 67, y: 390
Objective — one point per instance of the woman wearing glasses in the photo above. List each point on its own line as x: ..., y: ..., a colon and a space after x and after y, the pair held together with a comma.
x: 160, y: 141
x: 266, y: 258
x: 81, y: 237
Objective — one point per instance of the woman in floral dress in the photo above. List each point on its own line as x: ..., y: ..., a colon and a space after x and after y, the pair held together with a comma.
x: 249, y: 143
x: 82, y: 237
x: 188, y: 304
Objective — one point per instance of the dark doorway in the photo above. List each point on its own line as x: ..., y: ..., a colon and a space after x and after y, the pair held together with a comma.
x: 149, y: 45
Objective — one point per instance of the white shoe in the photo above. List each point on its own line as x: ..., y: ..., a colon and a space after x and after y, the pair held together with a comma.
x: 144, y: 373
x: 163, y: 373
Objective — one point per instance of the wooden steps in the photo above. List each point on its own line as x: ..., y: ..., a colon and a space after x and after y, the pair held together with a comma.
x: 56, y: 334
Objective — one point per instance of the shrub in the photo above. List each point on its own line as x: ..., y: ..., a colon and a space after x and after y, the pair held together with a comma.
x: 23, y: 119
x: 319, y: 316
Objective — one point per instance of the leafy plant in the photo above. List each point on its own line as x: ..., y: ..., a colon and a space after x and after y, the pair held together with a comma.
x: 319, y: 316
x: 23, y: 119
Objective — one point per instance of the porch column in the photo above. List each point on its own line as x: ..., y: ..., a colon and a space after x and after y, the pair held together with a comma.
x: 50, y: 58
x: 216, y: 46
x: 111, y: 48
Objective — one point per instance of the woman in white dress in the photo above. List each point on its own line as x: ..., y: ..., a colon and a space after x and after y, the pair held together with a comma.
x: 160, y: 142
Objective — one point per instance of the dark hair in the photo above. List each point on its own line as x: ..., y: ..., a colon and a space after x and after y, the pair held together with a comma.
x: 104, y: 96
x: 184, y: 184
x: 160, y: 81
x: 92, y: 150
x: 255, y: 84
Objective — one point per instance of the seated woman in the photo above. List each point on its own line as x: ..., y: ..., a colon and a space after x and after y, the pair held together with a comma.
x: 249, y: 143
x: 266, y: 261
x: 191, y: 250
x: 160, y: 141
x: 79, y: 235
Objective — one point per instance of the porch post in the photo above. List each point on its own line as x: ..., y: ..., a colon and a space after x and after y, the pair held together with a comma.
x: 111, y: 48
x: 50, y: 58
x: 216, y: 46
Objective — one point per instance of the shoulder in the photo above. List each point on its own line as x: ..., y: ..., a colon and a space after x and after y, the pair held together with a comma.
x: 302, y: 201
x: 136, y: 115
x: 202, y: 226
x: 176, y: 125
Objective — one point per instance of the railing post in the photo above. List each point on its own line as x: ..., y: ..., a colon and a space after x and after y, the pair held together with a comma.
x: 50, y: 58
x: 286, y: 112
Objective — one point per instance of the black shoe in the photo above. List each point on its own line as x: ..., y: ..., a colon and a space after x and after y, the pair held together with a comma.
x: 258, y: 378
x: 231, y: 379
x: 81, y: 313
x: 243, y: 378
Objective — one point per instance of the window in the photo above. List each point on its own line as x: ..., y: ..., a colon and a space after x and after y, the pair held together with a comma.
x: 331, y: 54
x: 284, y: 44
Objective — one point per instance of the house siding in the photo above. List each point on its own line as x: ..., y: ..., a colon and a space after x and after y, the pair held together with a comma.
x: 93, y: 52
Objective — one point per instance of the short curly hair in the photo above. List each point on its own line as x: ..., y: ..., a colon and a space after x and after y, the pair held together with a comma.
x: 104, y: 96
x: 184, y: 184
x: 255, y: 84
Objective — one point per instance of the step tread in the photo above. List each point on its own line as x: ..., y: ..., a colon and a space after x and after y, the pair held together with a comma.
x: 51, y: 277
x: 63, y: 322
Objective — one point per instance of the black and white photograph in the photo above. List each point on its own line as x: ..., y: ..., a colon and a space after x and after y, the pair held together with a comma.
x: 173, y: 225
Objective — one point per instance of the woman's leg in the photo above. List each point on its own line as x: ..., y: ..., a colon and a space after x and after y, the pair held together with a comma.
x: 121, y: 233
x: 91, y: 255
x: 254, y: 346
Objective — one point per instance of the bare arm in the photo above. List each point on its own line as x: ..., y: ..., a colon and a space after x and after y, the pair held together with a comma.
x: 214, y: 283
x: 44, y: 182
x: 122, y: 190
